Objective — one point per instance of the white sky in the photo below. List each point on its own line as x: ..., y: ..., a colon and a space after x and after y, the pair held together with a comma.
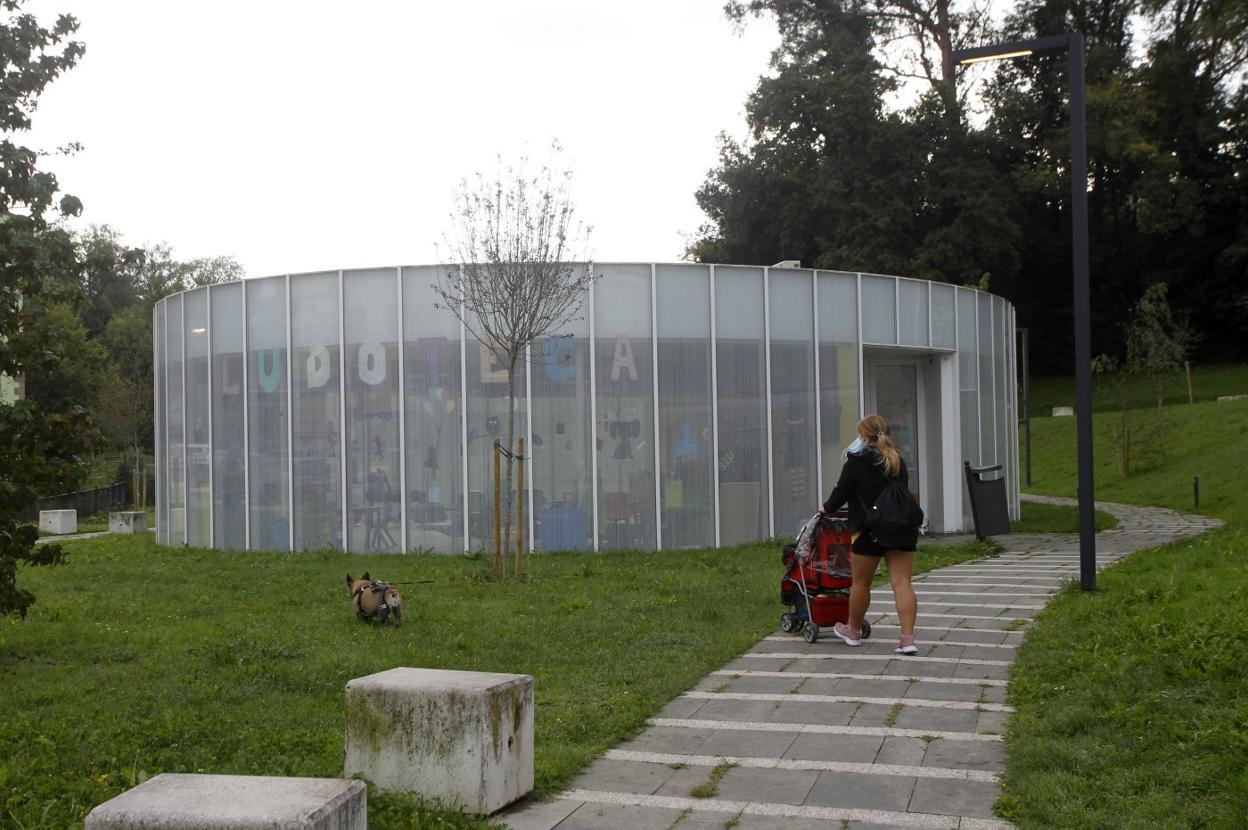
x: 299, y: 136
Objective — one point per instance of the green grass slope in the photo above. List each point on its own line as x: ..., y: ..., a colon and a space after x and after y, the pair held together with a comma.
x: 137, y: 660
x: 1132, y: 702
x: 1208, y: 383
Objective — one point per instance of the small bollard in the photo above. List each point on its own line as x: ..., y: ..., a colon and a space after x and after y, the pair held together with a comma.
x: 1196, y: 492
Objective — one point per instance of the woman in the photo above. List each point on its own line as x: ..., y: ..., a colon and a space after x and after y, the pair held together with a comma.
x: 870, y: 462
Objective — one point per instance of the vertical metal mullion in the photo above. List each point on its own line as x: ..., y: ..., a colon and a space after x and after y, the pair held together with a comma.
x: 157, y: 431
x: 186, y: 476
x: 814, y: 294
x: 212, y: 455
x: 979, y: 395
x: 342, y: 413
x: 246, y: 428
x: 654, y: 365
x: 897, y: 311
x: 992, y: 373
x: 290, y: 428
x: 862, y: 375
x: 528, y: 441
x: 715, y: 407
x: 930, y: 339
x: 399, y: 337
x: 463, y: 417
x: 771, y: 477
x: 593, y: 410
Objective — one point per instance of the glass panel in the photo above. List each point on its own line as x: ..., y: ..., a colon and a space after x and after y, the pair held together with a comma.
x: 228, y: 493
x: 1001, y: 340
x: 879, y: 310
x: 838, y: 370
x: 433, y: 406
x: 316, y: 411
x: 175, y: 420
x: 741, y: 367
x: 897, y: 402
x: 624, y: 433
x: 912, y: 299
x: 987, y: 430
x: 562, y: 462
x: 162, y: 431
x: 370, y: 301
x: 968, y: 384
x: 198, y: 441
x: 686, y: 458
x: 266, y: 413
x: 792, y: 399
x: 487, y: 420
x: 943, y: 335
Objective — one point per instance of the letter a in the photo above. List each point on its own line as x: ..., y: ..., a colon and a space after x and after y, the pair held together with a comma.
x: 623, y: 359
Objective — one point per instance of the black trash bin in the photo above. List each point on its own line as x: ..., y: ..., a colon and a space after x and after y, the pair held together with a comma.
x: 989, y: 508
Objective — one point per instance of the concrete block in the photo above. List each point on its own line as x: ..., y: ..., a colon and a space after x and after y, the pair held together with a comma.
x: 462, y: 738
x: 1063, y: 411
x: 58, y: 521
x: 1231, y: 398
x: 128, y: 522
x: 235, y: 802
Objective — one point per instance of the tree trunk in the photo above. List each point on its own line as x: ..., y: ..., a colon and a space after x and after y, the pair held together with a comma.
x: 508, y: 500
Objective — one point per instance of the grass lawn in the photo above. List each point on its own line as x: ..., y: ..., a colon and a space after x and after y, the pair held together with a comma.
x: 137, y: 660
x: 1056, y: 518
x: 1208, y: 382
x: 1132, y: 702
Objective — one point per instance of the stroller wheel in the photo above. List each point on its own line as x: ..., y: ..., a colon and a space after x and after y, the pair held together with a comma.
x: 788, y: 622
x: 810, y: 633
x: 866, y: 629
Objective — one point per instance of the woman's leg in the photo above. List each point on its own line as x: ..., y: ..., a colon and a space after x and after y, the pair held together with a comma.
x: 863, y: 570
x: 900, y: 567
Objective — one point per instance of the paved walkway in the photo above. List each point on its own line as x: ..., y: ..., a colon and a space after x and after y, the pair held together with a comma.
x: 860, y: 737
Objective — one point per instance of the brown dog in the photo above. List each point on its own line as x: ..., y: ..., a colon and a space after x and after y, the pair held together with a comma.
x: 375, y: 600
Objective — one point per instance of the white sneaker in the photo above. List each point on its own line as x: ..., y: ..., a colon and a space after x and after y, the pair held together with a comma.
x: 907, y: 645
x: 851, y: 637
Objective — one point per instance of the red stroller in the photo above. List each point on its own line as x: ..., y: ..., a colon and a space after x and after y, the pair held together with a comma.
x: 817, y: 587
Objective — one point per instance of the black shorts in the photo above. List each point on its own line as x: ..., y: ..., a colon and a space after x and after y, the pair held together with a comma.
x: 866, y: 546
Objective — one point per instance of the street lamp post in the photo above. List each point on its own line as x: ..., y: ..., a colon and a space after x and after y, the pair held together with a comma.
x: 1072, y: 44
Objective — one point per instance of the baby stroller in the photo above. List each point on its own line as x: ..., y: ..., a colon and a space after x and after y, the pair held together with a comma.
x: 817, y: 577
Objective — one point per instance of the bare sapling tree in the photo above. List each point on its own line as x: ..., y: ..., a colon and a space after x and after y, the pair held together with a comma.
x: 518, y: 270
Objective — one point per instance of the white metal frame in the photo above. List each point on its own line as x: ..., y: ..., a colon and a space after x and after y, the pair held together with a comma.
x: 814, y: 306
x: 593, y: 411
x: 186, y: 478
x: 654, y: 361
x: 400, y: 340
x: 771, y: 476
x: 290, y: 427
x: 212, y: 461
x: 463, y: 420
x: 345, y: 533
x: 715, y: 408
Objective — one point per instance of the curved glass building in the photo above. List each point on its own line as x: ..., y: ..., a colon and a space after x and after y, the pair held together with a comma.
x: 690, y: 405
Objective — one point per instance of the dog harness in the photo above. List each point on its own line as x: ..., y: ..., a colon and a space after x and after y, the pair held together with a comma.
x: 383, y: 610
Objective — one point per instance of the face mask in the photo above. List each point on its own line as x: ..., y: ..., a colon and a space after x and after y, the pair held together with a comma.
x: 856, y: 447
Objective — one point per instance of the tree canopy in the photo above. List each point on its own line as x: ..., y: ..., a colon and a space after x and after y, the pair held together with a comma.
x: 832, y: 176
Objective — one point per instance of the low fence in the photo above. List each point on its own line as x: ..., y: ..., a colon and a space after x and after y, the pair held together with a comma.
x: 86, y: 502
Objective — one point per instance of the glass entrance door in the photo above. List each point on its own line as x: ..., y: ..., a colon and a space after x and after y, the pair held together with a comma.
x: 897, y: 399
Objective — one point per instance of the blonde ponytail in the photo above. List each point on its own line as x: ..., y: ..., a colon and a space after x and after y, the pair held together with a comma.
x: 876, y: 430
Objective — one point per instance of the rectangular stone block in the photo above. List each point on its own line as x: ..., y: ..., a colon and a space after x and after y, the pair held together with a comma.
x: 127, y: 522
x: 1063, y: 411
x: 58, y: 521
x: 235, y: 802
x: 464, y: 739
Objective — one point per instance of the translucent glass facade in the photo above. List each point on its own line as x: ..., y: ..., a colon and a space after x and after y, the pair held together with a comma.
x: 685, y: 406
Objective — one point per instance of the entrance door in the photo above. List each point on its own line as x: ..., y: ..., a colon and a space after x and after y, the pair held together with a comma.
x: 895, y: 392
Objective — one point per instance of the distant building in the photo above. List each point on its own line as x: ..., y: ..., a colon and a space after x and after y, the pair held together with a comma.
x: 690, y: 405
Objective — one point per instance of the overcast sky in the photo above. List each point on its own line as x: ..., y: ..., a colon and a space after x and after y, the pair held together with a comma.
x: 314, y: 135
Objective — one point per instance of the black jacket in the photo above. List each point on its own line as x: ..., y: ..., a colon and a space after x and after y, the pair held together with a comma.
x: 861, y: 482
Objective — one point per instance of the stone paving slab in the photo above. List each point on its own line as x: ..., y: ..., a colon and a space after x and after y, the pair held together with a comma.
x: 870, y: 739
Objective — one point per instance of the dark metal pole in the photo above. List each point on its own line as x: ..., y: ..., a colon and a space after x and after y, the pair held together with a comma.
x: 1026, y: 408
x: 1083, y: 310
